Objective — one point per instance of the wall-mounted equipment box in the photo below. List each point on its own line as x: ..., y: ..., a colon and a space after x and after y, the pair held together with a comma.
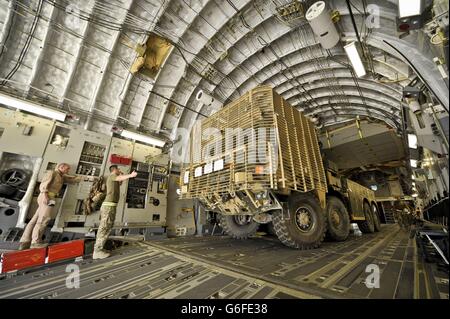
x: 91, y: 159
x: 138, y: 187
x: 145, y: 188
x: 85, y: 151
x: 13, y: 139
x: 74, y: 146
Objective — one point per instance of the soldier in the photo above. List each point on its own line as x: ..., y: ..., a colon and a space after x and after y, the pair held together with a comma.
x: 398, y: 216
x: 49, y: 188
x: 108, y: 209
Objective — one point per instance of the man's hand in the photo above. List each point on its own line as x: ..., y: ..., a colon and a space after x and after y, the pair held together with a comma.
x: 45, y: 198
x: 121, y: 178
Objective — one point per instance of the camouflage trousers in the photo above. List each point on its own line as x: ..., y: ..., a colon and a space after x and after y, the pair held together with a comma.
x: 107, y: 217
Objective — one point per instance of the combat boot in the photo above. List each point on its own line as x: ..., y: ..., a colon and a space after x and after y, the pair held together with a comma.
x: 100, y: 254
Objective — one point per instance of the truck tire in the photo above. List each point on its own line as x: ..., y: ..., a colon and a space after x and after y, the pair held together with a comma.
x: 271, y: 229
x: 305, y: 225
x: 238, y: 226
x: 367, y: 225
x: 338, y: 220
x: 376, y: 219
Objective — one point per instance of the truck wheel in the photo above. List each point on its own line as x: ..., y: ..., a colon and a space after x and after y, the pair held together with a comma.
x: 338, y: 221
x: 376, y: 219
x: 367, y: 225
x: 238, y: 226
x: 270, y: 229
x: 304, y: 227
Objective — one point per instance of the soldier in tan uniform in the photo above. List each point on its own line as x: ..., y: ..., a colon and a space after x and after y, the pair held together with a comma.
x: 49, y: 188
x: 108, y: 209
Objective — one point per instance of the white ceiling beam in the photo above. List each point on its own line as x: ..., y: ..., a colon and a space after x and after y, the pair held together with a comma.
x: 76, y: 60
x: 189, y: 73
x: 141, y: 105
x: 104, y: 70
x: 173, y: 74
x: 250, y: 58
x: 36, y: 67
x: 130, y: 78
x: 6, y: 26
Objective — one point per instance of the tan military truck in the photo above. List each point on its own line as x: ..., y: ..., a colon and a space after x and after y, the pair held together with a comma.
x: 258, y: 161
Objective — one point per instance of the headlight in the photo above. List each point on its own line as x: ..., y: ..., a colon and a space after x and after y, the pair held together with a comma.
x: 261, y: 195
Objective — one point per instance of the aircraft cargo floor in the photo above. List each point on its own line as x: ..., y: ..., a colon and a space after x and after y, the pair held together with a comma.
x: 220, y: 267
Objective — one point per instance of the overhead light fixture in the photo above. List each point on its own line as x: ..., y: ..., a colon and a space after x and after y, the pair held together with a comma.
x: 413, y: 177
x: 413, y: 163
x: 415, y: 195
x: 410, y: 15
x: 31, y: 107
x: 143, y: 138
x: 409, y: 8
x: 412, y: 141
x: 355, y: 58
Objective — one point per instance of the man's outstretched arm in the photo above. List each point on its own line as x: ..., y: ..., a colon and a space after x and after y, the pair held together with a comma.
x: 124, y: 177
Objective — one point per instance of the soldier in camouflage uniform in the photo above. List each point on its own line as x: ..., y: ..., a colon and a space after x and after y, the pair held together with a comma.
x: 398, y: 216
x: 404, y: 217
x: 108, y: 209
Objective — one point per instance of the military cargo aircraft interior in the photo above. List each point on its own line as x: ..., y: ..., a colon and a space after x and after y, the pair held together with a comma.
x: 224, y: 150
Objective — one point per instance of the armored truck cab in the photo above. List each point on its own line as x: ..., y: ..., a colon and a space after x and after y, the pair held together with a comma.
x: 257, y: 160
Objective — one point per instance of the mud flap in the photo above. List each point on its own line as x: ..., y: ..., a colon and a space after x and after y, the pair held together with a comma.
x: 285, y: 212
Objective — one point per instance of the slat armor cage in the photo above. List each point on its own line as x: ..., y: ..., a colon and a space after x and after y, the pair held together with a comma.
x: 258, y: 142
